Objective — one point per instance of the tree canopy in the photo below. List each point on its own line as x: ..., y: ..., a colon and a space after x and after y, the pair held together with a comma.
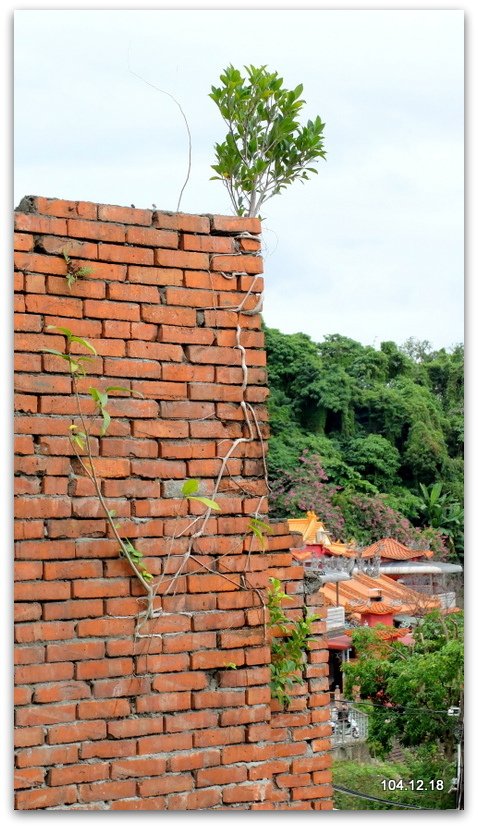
x: 382, y: 427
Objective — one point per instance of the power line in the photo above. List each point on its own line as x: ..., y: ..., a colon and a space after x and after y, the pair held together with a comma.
x: 378, y: 799
x: 397, y: 709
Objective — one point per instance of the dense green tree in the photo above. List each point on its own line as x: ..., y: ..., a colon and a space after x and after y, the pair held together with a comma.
x: 380, y: 421
x: 410, y: 688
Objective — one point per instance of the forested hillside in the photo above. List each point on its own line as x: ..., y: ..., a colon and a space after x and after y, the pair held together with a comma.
x: 372, y: 439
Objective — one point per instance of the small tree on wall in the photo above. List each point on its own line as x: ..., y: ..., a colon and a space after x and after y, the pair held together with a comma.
x: 265, y: 148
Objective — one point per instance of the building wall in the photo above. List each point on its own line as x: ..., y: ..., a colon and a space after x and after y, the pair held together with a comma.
x: 181, y: 717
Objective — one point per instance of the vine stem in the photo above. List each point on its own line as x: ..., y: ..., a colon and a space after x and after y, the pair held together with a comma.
x: 163, y: 92
x: 91, y: 473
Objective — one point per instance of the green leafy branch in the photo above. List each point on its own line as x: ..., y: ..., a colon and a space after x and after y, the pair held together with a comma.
x: 265, y: 148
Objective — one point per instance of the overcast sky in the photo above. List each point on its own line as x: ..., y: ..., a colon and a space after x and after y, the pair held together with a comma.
x: 371, y: 248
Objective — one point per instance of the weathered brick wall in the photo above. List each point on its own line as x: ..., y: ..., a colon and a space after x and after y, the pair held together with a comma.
x: 105, y: 720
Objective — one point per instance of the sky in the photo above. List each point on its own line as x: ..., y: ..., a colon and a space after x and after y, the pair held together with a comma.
x: 371, y: 247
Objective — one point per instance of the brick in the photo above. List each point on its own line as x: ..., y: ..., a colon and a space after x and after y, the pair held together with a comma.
x: 237, y: 263
x: 205, y: 280
x: 40, y: 591
x: 169, y: 663
x: 83, y: 287
x: 44, y: 549
x: 188, y: 297
x: 245, y: 793
x: 39, y: 673
x: 45, y: 798
x: 23, y: 444
x: 124, y: 215
x: 212, y: 659
x: 106, y: 668
x: 74, y: 528
x: 243, y: 678
x: 313, y: 792
x: 190, y: 721
x: 135, y: 727
x: 177, y: 682
x: 164, y: 702
x: 196, y: 800
x: 181, y: 221
x: 73, y: 609
x: 28, y: 778
x: 155, y: 275
x: 213, y: 355
x: 45, y: 507
x: 54, y: 305
x: 104, y: 709
x: 267, y: 769
x: 112, y: 310
x: 109, y: 749
x: 77, y: 732
x: 137, y: 766
x: 163, y: 315
x: 22, y: 241
x: 72, y: 774
x: 133, y: 293
x: 195, y: 760
x: 167, y: 743
x: 59, y: 246
x: 213, y: 583
x: 212, y: 391
x: 131, y: 368
x: 82, y: 229
x: 46, y: 715
x: 75, y: 651
x: 151, y: 237
x: 155, y: 350
x: 220, y: 736
x: 186, y: 335
x: 220, y: 776
x: 168, y: 784
x: 249, y: 245
x: 101, y: 588
x: 219, y: 698
x: 27, y: 612
x: 98, y: 791
x: 29, y: 655
x: 61, y: 691
x: 132, y: 686
x: 228, y: 224
x: 28, y: 736
x: 34, y: 283
x: 207, y: 244
x: 28, y: 571
x: 47, y: 756
x: 38, y: 263
x: 159, y: 468
x: 125, y: 255
x: 152, y: 803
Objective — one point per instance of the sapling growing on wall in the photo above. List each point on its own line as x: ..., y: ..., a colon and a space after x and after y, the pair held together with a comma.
x: 265, y: 148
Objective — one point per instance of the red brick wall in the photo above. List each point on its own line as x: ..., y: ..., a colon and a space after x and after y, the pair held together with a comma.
x: 104, y: 720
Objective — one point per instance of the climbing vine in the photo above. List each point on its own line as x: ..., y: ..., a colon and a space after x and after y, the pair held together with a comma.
x: 287, y: 650
x: 288, y: 647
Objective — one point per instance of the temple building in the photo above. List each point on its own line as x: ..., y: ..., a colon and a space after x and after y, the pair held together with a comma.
x: 386, y: 583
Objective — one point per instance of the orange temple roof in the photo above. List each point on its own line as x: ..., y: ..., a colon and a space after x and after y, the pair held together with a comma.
x: 358, y: 595
x: 393, y: 550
